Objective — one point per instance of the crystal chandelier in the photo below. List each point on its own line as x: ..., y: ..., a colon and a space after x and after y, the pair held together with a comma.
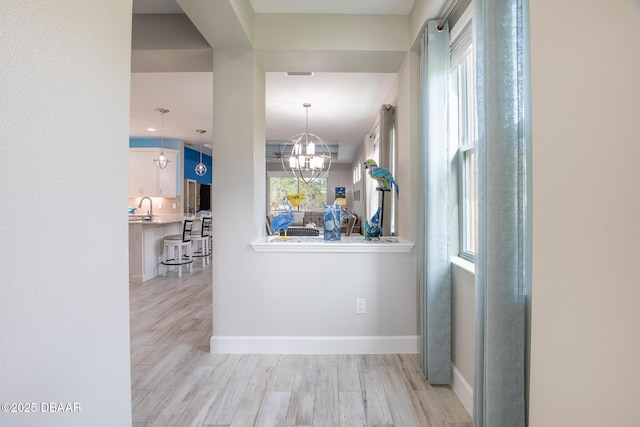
x: 161, y: 159
x: 305, y: 155
x: 201, y: 168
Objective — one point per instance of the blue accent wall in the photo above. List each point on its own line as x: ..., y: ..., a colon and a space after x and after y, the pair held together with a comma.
x: 191, y: 160
x: 141, y: 142
x: 191, y: 157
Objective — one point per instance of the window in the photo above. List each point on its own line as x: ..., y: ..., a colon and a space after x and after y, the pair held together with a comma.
x: 315, y: 193
x: 463, y: 132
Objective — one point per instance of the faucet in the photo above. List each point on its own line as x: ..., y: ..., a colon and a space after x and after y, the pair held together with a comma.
x: 150, y: 211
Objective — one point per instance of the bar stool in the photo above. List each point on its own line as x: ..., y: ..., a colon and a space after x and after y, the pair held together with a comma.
x: 202, y: 242
x: 173, y: 246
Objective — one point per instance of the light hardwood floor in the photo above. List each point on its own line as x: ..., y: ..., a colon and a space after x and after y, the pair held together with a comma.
x: 177, y: 382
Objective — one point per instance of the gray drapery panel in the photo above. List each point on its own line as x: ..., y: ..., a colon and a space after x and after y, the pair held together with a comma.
x: 436, y: 276
x: 503, y: 256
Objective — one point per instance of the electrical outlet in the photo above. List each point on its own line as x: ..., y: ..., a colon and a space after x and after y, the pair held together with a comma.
x: 361, y: 306
x: 174, y: 206
x: 159, y: 205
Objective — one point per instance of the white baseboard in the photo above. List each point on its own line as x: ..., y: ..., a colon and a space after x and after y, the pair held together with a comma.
x: 150, y: 276
x: 462, y: 389
x: 315, y: 345
x: 143, y: 277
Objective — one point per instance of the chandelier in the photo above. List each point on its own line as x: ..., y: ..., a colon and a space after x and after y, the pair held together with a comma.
x: 201, y: 168
x: 305, y: 155
x: 161, y: 159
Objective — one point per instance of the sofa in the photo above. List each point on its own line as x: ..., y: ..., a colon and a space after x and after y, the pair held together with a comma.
x: 317, y: 218
x: 311, y: 217
x: 302, y: 218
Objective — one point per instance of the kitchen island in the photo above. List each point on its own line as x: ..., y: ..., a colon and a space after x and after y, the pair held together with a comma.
x: 146, y: 244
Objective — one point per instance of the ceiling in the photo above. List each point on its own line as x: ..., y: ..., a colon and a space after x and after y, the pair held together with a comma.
x: 344, y: 105
x: 361, y: 7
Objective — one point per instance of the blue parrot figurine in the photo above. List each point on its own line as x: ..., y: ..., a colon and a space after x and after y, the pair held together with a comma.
x: 285, y: 219
x: 382, y: 175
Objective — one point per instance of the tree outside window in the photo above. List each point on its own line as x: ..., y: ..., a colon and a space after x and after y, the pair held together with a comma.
x: 315, y: 193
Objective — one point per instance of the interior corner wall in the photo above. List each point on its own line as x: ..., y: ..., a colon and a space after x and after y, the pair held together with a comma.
x: 586, y: 181
x: 235, y: 173
x: 259, y: 148
x: 64, y: 308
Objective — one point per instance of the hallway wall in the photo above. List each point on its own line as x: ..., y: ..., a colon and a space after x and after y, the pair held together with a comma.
x: 586, y: 181
x: 64, y: 311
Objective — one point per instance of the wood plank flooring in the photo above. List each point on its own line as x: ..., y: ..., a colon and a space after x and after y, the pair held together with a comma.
x: 177, y: 382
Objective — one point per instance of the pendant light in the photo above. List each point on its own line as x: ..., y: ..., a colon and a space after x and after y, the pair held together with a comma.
x: 201, y: 168
x: 305, y: 155
x: 161, y: 159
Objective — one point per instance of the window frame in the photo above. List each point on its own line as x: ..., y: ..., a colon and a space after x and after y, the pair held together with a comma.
x: 464, y: 137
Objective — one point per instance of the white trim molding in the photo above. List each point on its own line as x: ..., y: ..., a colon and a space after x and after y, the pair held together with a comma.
x: 463, y: 264
x: 345, y: 245
x: 462, y: 389
x: 315, y: 345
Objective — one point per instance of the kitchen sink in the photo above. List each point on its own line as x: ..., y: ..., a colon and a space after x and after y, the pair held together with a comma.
x: 141, y: 218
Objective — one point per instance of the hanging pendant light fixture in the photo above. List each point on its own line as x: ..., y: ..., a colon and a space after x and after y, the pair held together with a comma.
x: 201, y: 168
x: 305, y: 155
x: 161, y: 159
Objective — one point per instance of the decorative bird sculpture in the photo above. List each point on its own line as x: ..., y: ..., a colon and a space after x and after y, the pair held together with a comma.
x: 295, y: 199
x: 285, y: 219
x: 375, y: 219
x: 373, y: 230
x: 382, y: 175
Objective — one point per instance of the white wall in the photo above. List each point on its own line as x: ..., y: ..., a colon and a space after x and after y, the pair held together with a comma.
x: 64, y: 312
x: 340, y: 175
x: 283, y: 42
x: 586, y: 184
x: 260, y: 296
x: 409, y: 172
x: 463, y: 333
x: 313, y: 295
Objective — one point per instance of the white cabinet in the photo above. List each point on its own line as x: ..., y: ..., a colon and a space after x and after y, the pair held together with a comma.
x: 143, y: 180
x: 167, y: 177
x: 146, y: 179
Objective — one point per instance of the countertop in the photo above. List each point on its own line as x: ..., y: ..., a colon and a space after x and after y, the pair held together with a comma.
x: 162, y: 218
x: 156, y: 219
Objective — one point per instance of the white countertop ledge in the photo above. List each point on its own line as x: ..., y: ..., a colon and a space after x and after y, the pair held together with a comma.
x: 348, y: 244
x: 160, y: 219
